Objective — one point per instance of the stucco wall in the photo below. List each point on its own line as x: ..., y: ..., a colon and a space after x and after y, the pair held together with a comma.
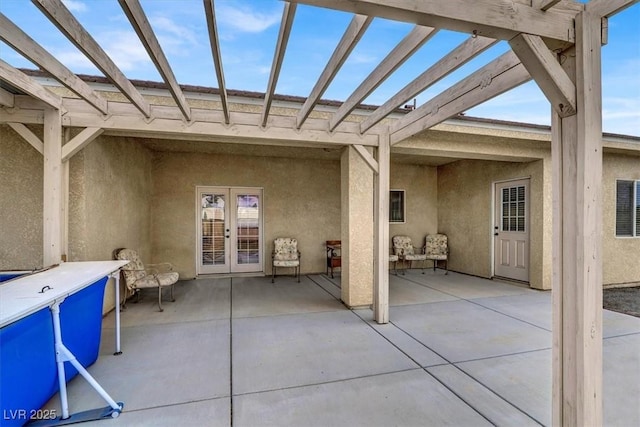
x: 465, y: 214
x: 21, y: 174
x: 621, y: 255
x: 301, y: 200
x: 110, y: 202
x: 421, y: 196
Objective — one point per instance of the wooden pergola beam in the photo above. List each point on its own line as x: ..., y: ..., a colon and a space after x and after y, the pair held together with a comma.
x: 288, y: 13
x: 417, y: 37
x: 28, y: 136
x: 20, y: 80
x: 21, y: 42
x: 367, y: 157
x: 142, y: 27
x: 7, y: 99
x: 80, y: 141
x: 459, y: 56
x: 544, y: 4
x: 495, y: 78
x: 490, y: 18
x: 350, y: 38
x: 60, y: 16
x: 545, y: 69
x: 607, y: 8
x: 209, y: 10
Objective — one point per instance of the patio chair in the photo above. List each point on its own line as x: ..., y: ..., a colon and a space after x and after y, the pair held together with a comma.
x: 334, y: 258
x: 285, y: 254
x: 436, y: 247
x: 138, y: 277
x: 394, y: 259
x: 404, y: 249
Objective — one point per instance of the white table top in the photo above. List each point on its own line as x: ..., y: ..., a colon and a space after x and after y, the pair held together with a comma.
x: 22, y: 296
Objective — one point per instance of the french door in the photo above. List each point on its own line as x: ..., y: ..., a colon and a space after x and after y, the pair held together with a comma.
x: 511, y: 230
x: 229, y: 230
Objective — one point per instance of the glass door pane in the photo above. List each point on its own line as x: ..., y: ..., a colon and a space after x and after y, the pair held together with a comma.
x: 247, y: 239
x: 214, y: 231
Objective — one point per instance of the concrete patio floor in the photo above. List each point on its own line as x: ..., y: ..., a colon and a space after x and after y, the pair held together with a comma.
x: 459, y: 350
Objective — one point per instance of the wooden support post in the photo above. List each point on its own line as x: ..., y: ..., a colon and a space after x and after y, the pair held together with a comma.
x: 52, y: 189
x: 577, y: 287
x: 381, y: 233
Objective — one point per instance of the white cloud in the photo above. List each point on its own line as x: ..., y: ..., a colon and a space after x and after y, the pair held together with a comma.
x: 75, y: 5
x: 164, y: 25
x: 125, y: 49
x: 76, y: 61
x: 245, y: 19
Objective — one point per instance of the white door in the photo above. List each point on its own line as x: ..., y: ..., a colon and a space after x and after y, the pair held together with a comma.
x: 229, y: 230
x: 511, y: 230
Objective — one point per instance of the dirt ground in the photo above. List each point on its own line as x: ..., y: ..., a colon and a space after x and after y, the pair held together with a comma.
x: 623, y: 300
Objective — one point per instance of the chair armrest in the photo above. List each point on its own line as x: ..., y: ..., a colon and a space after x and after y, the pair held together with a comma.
x: 162, y: 266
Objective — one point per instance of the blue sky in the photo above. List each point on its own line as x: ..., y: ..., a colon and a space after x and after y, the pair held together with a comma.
x: 248, y: 30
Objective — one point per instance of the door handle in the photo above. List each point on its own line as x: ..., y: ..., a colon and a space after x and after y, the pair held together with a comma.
x: 495, y: 234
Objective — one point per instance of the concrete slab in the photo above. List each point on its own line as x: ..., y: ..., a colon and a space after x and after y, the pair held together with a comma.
x: 410, y: 398
x: 161, y: 365
x: 460, y: 330
x: 532, y: 307
x: 332, y: 286
x: 400, y: 339
x: 616, y: 324
x: 621, y: 380
x: 464, y: 286
x: 213, y: 413
x: 293, y: 350
x: 490, y: 405
x: 257, y: 296
x: 405, y: 291
x: 196, y: 300
x: 524, y: 380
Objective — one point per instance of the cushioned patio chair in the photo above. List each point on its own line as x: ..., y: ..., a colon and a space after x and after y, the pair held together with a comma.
x: 436, y: 248
x: 137, y: 276
x: 404, y: 249
x: 285, y: 254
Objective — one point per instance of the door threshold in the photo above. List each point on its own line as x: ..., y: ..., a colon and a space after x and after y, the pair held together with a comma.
x: 230, y: 275
x: 509, y: 281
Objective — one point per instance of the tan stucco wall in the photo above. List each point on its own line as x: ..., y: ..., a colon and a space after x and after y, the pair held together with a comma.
x: 301, y: 200
x: 357, y: 230
x: 621, y: 255
x: 21, y: 172
x: 110, y: 202
x: 465, y: 214
x: 421, y: 196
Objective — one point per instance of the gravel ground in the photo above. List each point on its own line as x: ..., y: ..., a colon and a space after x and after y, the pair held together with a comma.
x: 623, y: 300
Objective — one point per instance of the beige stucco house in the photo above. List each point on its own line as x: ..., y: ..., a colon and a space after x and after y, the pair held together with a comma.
x: 146, y: 193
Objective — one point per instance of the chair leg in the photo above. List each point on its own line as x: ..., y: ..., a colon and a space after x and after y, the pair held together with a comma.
x: 435, y: 263
x: 160, y: 298
x: 446, y: 267
x: 423, y: 261
x: 298, y: 272
x: 173, y: 299
x: 273, y: 274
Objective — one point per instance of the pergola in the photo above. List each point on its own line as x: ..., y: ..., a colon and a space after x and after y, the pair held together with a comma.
x: 557, y: 43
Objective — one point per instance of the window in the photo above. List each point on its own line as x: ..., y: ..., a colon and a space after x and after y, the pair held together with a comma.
x: 627, y: 208
x: 513, y: 208
x: 396, y: 206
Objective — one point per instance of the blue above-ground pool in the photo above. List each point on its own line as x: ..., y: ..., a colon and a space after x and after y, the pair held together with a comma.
x: 28, y: 371
x: 8, y: 275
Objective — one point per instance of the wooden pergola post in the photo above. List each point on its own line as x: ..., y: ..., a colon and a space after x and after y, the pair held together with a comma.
x: 381, y: 232
x: 52, y: 188
x: 577, y: 248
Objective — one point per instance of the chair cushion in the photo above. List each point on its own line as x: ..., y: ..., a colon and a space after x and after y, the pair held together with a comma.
x: 286, y: 263
x: 415, y: 257
x: 285, y: 249
x: 167, y: 279
x: 436, y: 245
x: 393, y: 258
x: 437, y: 257
x: 402, y: 245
